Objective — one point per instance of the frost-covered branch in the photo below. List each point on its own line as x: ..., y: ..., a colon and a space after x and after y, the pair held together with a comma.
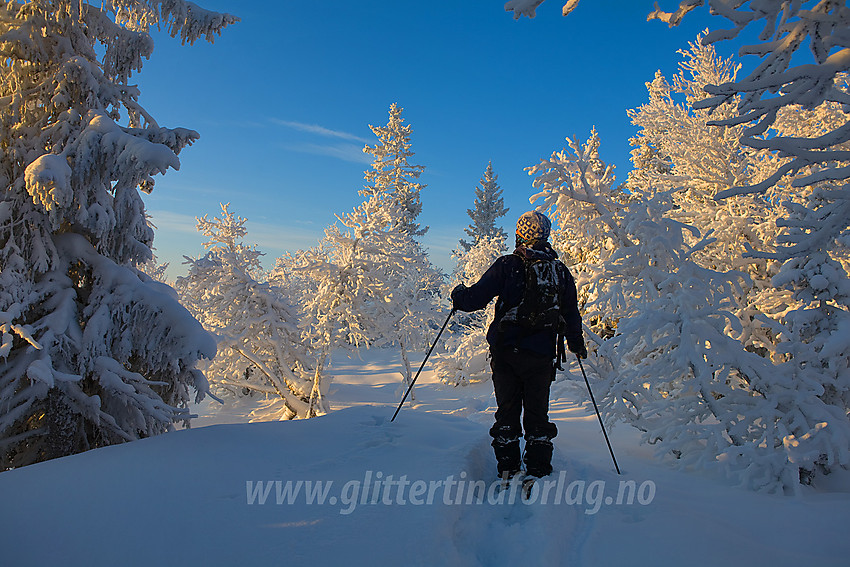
x: 775, y: 84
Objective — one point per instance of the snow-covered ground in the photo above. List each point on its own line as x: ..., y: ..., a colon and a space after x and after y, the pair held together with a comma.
x: 209, y: 495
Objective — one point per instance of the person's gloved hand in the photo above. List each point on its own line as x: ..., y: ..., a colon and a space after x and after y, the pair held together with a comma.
x: 455, y: 292
x: 578, y: 348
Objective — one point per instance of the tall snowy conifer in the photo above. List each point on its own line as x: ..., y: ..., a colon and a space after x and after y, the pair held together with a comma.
x: 392, y: 180
x: 93, y: 351
x: 489, y: 206
x: 371, y: 281
x: 259, y: 342
x: 392, y: 175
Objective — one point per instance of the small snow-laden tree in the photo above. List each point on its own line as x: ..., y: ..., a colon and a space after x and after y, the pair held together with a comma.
x: 464, y: 358
x: 259, y: 343
x: 674, y: 370
x: 95, y: 352
x: 392, y: 174
x: 489, y: 206
x: 412, y: 304
x: 577, y: 189
x: 349, y: 299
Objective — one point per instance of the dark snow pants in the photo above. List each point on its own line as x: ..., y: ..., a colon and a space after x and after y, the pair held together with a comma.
x: 521, y: 380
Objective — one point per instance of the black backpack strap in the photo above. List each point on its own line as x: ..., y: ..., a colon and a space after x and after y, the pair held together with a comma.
x: 561, y: 354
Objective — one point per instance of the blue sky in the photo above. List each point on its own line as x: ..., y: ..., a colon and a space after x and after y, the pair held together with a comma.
x: 284, y: 98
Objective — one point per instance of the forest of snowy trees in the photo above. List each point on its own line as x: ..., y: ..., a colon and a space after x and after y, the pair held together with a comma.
x: 713, y: 279
x: 367, y: 283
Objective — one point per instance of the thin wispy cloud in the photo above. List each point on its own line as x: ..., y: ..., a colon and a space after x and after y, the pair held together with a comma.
x: 320, y: 130
x: 345, y: 152
x: 267, y: 236
x: 171, y: 222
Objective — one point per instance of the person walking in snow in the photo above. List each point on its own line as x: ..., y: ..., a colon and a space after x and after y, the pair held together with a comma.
x: 537, y: 309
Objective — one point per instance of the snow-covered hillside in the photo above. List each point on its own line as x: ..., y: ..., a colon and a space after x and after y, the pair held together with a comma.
x: 208, y: 496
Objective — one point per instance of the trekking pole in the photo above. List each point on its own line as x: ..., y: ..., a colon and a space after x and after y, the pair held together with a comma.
x: 610, y: 450
x: 421, y: 366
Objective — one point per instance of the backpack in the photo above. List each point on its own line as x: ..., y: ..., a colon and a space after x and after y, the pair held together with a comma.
x: 540, y: 306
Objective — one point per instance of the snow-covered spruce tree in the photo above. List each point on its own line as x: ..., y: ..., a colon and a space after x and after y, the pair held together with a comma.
x: 489, y: 206
x: 392, y: 174
x: 465, y: 354
x: 259, y: 342
x: 392, y: 180
x: 93, y: 351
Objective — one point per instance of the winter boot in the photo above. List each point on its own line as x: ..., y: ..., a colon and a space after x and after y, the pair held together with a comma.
x: 538, y: 456
x: 506, y: 447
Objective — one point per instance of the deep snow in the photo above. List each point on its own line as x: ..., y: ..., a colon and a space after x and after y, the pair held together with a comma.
x: 183, y: 498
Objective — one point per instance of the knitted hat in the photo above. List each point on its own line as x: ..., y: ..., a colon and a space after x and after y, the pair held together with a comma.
x: 533, y: 226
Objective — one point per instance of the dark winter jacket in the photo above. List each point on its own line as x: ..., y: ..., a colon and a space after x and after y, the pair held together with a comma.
x: 505, y: 279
